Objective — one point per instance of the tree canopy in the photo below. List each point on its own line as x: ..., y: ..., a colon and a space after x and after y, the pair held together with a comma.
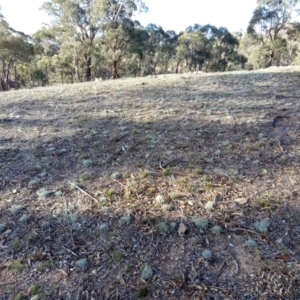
x: 88, y: 39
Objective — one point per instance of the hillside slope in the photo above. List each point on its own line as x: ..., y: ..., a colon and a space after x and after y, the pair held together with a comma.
x: 170, y: 187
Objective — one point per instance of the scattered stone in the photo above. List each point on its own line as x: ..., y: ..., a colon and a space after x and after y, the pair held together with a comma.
x: 242, y: 200
x: 182, y: 230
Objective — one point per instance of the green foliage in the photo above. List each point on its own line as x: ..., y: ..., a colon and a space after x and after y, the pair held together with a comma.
x: 262, y: 226
x: 216, y: 230
x: 201, y: 222
x: 85, y: 177
x: 2, y: 227
x: 162, y: 228
x: 17, y: 266
x: 147, y: 272
x: 250, y: 243
x: 207, y: 254
x: 142, y: 292
x: 118, y: 256
x: 82, y: 264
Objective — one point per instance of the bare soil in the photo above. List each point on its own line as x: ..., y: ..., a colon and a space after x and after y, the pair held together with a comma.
x: 115, y: 189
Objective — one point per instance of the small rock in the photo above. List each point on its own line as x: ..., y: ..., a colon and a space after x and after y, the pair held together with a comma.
x: 190, y: 203
x: 242, y: 200
x: 182, y: 229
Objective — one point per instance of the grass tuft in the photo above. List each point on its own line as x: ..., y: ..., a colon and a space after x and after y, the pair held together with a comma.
x: 117, y: 256
x: 216, y: 230
x: 147, y: 272
x: 201, y: 222
x: 206, y: 254
x: 262, y: 226
x: 82, y: 264
x: 85, y: 177
x: 161, y: 228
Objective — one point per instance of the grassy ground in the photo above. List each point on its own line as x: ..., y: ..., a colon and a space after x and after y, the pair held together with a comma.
x: 169, y: 187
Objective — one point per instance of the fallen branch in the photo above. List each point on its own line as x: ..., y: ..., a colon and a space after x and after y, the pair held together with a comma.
x: 83, y: 191
x: 236, y: 264
x: 7, y: 283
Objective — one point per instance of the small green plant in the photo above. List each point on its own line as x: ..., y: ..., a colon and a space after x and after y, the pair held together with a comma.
x: 173, y: 226
x: 33, y: 184
x: 175, y: 195
x: 159, y: 200
x: 87, y: 163
x: 2, y: 227
x: 82, y: 264
x: 58, y: 193
x: 147, y: 272
x: 21, y: 296
x: 110, y: 193
x: 216, y: 230
x: 166, y: 172
x: 166, y: 207
x: 162, y: 228
x: 142, y: 292
x: 117, y: 175
x: 206, y: 254
x: 145, y: 174
x: 198, y: 171
x: 43, y: 193
x: 24, y: 219
x: 16, y: 209
x: 190, y: 187
x: 45, y: 224
x: 17, y: 266
x: 36, y: 288
x: 150, y: 190
x: 117, y: 256
x: 250, y: 243
x: 45, y: 265
x: 218, y: 152
x: 201, y: 222
x: 209, y: 205
x: 85, y: 177
x: 125, y: 220
x: 103, y: 226
x: 262, y: 226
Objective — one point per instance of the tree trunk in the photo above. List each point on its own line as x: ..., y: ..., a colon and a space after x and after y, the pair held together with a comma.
x: 271, y: 58
x: 88, y: 70
x: 115, y: 70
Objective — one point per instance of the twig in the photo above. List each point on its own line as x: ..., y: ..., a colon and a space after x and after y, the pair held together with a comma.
x: 69, y: 250
x: 242, y: 229
x: 118, y: 182
x: 280, y: 147
x: 83, y: 191
x: 166, y: 164
x: 236, y: 264
x: 5, y: 140
x: 6, y: 283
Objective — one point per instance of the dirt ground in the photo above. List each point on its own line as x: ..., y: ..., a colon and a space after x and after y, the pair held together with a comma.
x: 167, y: 187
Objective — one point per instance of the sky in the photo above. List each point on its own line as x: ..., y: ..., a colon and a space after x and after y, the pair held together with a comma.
x: 175, y: 15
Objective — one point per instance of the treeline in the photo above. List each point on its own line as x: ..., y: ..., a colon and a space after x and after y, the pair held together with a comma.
x: 90, y: 39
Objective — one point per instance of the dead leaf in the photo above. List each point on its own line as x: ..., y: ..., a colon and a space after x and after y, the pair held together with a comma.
x: 242, y: 200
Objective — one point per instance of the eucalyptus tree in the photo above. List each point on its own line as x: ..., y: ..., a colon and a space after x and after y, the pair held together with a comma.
x: 80, y: 22
x: 193, y: 48
x: 160, y: 48
x: 15, y: 47
x: 269, y: 21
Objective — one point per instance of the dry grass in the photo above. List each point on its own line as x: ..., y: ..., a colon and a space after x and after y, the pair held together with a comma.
x: 85, y: 163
